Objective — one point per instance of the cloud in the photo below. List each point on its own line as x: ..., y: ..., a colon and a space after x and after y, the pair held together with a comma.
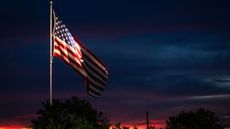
x: 209, y: 97
x: 222, y: 81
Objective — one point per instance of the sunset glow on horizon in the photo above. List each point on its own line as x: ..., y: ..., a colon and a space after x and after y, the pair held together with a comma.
x: 142, y: 124
x: 13, y: 127
x: 139, y: 126
x: 157, y: 125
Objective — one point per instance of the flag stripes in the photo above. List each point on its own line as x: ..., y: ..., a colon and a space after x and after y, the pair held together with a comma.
x: 70, y: 49
x: 67, y: 51
x: 67, y: 59
x: 80, y: 58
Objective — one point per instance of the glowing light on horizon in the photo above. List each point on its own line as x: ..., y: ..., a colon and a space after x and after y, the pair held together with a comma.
x: 142, y: 126
x: 14, y: 127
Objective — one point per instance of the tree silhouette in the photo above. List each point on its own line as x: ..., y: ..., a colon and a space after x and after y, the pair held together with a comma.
x: 125, y: 127
x: 151, y: 127
x: 201, y: 119
x: 119, y: 126
x: 70, y: 114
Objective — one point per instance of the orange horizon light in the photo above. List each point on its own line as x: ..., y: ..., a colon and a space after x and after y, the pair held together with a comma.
x: 13, y: 127
x: 157, y: 126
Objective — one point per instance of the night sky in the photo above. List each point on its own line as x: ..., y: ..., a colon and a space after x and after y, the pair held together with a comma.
x: 162, y: 56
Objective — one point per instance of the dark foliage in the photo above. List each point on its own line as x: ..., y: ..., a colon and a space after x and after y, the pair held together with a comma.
x: 70, y: 114
x: 201, y: 119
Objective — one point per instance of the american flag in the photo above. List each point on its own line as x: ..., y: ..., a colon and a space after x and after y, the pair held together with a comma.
x: 81, y: 59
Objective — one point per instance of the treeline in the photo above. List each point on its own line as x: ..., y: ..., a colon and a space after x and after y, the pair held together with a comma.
x: 75, y: 113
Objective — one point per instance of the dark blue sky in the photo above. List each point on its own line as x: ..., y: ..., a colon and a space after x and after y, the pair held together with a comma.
x: 162, y: 56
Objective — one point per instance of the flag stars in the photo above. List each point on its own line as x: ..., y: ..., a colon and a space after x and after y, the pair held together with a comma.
x: 63, y: 33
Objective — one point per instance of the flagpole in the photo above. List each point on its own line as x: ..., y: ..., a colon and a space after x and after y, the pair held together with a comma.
x: 51, y: 54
